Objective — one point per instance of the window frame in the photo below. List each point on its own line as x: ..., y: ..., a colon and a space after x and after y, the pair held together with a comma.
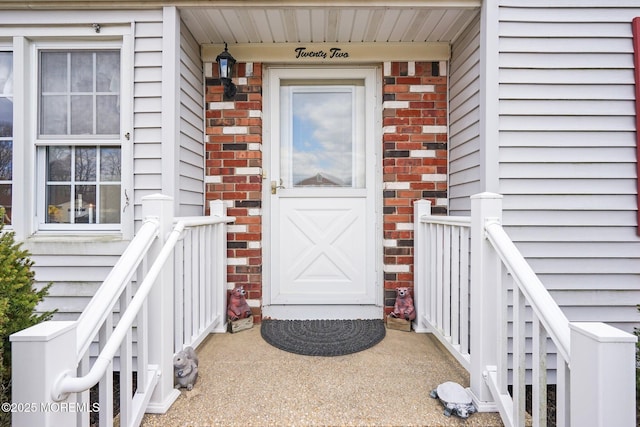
x: 40, y: 143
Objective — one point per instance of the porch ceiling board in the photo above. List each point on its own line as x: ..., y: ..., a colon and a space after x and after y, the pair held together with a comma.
x: 349, y: 24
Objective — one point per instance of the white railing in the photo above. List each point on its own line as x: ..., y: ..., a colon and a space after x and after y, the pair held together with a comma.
x: 595, y: 363
x: 55, y: 363
x: 200, y: 307
x: 441, y: 266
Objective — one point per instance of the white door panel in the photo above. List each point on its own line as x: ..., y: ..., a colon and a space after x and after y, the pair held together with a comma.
x: 323, y: 258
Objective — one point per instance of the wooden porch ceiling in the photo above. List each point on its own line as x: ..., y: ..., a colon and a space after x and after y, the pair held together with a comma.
x: 330, y: 24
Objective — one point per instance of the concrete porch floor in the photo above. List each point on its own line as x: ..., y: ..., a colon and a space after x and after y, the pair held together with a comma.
x: 243, y: 381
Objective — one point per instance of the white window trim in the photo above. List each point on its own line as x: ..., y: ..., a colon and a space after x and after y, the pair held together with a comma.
x: 29, y: 208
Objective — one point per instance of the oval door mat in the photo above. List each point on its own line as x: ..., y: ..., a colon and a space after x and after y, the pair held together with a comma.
x: 323, y: 337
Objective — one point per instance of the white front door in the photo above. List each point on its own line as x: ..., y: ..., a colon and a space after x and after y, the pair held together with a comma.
x: 322, y: 194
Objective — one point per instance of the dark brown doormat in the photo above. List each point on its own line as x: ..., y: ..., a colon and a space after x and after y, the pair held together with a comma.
x: 323, y: 337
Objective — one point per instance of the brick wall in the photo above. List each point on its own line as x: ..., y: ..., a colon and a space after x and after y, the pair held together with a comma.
x: 234, y: 172
x: 414, y: 165
x: 415, y: 160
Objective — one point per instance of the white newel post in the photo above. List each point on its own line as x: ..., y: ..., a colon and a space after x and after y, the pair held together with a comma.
x: 160, y: 303
x: 485, y: 298
x: 219, y: 209
x: 39, y: 356
x: 420, y: 208
x: 602, y: 376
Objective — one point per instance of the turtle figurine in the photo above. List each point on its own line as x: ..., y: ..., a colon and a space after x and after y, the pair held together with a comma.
x: 455, y: 399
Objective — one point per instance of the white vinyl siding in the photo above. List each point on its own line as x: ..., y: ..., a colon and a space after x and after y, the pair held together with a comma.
x: 464, y: 115
x: 147, y: 106
x: 567, y: 152
x: 76, y: 270
x: 191, y: 155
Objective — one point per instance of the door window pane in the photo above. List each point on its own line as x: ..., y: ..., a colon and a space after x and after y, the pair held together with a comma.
x: 321, y: 145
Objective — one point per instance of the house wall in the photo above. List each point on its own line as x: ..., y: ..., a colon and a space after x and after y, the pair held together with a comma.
x: 77, y: 263
x: 414, y: 165
x: 465, y: 172
x: 567, y: 158
x: 147, y: 104
x: 191, y: 155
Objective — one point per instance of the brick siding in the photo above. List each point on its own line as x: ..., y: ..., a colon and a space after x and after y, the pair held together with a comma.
x: 414, y: 134
x: 234, y: 172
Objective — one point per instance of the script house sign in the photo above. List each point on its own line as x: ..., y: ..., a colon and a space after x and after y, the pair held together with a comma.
x: 330, y: 53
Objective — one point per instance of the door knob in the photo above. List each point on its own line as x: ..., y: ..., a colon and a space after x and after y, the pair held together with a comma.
x: 275, y: 186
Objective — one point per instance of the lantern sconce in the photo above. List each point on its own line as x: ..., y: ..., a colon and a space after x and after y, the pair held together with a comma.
x: 225, y: 68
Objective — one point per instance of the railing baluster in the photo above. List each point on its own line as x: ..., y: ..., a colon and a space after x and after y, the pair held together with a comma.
x: 202, y: 282
x: 519, y: 357
x: 142, y: 343
x: 195, y: 284
x: 126, y: 365
x: 208, y: 275
x: 142, y: 348
x: 82, y: 417
x: 503, y: 332
x: 188, y: 286
x: 446, y: 280
x: 539, y: 375
x: 105, y: 386
x: 433, y: 262
x: 464, y: 290
x: 178, y: 287
x: 216, y: 284
x: 455, y: 285
x: 439, y: 277
x: 563, y: 393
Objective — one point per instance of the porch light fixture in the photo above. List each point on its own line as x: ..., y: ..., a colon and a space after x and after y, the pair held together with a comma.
x: 225, y: 68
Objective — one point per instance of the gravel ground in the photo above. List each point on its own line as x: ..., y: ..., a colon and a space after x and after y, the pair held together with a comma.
x: 243, y: 381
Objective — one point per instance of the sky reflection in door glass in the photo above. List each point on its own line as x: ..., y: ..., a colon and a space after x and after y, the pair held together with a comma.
x: 322, y: 146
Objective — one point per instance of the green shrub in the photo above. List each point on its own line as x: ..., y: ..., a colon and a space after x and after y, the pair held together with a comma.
x: 18, y: 299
